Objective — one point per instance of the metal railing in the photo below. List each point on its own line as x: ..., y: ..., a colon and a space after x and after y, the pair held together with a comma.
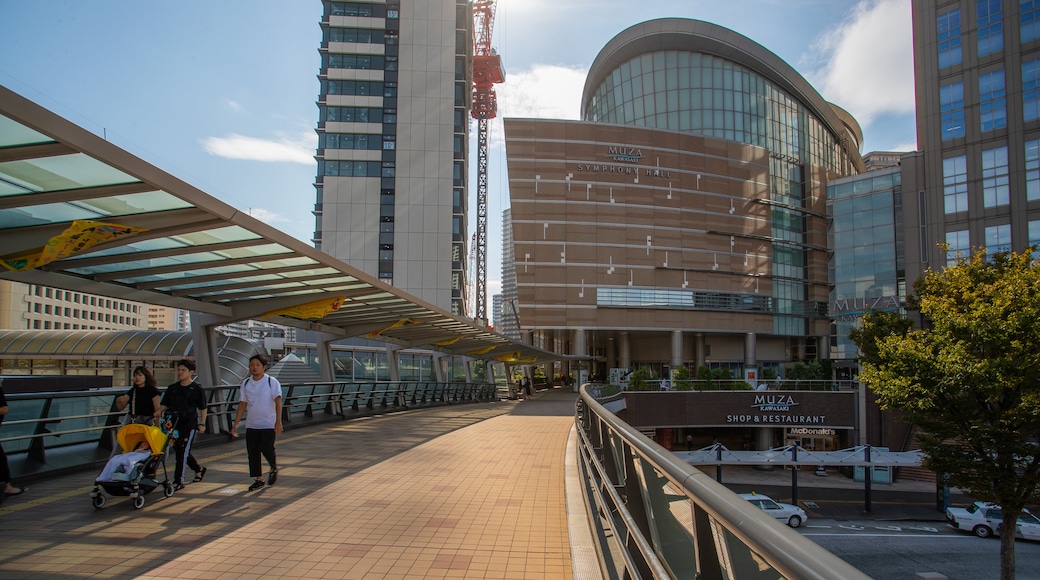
x: 80, y: 425
x: 655, y: 516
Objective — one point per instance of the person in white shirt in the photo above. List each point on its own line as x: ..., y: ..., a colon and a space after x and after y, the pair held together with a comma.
x: 262, y: 395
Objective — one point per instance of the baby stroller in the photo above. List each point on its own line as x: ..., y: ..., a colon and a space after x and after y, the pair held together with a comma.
x: 134, y: 473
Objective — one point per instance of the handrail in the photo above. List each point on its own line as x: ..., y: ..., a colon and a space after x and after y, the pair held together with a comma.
x: 34, y: 419
x: 718, y: 536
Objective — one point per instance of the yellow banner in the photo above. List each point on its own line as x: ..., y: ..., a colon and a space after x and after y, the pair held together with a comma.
x: 80, y: 236
x: 480, y: 351
x: 398, y: 324
x: 311, y: 310
x: 514, y: 357
x: 448, y: 342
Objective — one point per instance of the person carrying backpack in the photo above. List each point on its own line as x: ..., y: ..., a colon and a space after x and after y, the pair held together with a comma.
x: 262, y: 395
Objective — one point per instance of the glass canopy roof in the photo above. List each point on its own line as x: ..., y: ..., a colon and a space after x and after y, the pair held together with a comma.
x: 79, y: 213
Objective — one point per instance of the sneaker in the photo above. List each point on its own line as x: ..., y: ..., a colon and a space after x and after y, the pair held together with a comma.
x: 257, y: 485
x: 272, y: 477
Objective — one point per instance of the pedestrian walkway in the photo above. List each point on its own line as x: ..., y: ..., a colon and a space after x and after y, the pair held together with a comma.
x: 462, y: 491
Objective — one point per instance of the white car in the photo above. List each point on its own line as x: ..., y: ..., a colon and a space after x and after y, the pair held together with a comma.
x: 983, y: 519
x: 791, y: 515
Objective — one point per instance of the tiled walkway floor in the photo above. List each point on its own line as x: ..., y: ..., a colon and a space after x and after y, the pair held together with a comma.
x: 466, y: 491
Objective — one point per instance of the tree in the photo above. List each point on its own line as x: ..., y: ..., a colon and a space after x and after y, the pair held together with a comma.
x: 971, y: 380
x: 682, y: 379
x: 878, y: 324
x: 639, y: 380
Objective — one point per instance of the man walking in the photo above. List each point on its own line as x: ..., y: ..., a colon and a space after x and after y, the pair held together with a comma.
x: 262, y: 395
x: 187, y: 401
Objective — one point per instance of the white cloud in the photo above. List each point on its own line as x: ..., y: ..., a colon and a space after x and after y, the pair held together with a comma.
x: 868, y: 63
x: 233, y: 105
x: 291, y: 149
x: 266, y: 216
x: 544, y: 92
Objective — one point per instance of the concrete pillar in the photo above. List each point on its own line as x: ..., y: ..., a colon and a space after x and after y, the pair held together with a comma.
x: 677, y: 349
x: 750, y: 359
x: 763, y: 441
x: 204, y: 346
x: 438, y: 367
x: 624, y: 351
x: 393, y: 361
x: 611, y: 353
x: 699, y: 350
x: 324, y: 348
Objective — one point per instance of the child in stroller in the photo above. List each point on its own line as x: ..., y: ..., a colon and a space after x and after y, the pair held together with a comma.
x: 134, y: 472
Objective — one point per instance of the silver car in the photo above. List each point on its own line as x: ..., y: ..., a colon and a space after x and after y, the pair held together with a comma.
x: 791, y: 515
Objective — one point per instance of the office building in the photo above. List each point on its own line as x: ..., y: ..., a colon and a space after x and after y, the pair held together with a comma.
x: 35, y: 307
x: 976, y: 181
x: 393, y: 136
x: 867, y: 240
x: 682, y: 221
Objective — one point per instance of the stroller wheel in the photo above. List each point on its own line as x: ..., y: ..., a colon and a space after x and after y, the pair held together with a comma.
x: 98, y: 501
x: 139, y: 502
x: 168, y: 489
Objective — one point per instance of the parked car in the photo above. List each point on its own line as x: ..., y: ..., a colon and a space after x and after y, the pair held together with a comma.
x: 791, y: 515
x: 984, y: 519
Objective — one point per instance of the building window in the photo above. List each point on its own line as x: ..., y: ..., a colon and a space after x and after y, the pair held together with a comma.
x: 1031, y: 90
x: 998, y: 238
x: 995, y: 177
x: 1034, y: 237
x: 951, y: 100
x: 990, y: 24
x: 958, y: 246
x: 955, y: 184
x: 1033, y: 170
x: 992, y: 110
x: 949, y: 28
x: 1029, y: 17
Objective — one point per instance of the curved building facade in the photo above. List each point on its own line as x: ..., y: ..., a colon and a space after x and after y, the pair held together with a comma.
x: 682, y: 221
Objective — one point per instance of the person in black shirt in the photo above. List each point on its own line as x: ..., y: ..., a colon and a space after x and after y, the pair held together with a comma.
x: 187, y: 401
x: 142, y: 398
x: 5, y: 470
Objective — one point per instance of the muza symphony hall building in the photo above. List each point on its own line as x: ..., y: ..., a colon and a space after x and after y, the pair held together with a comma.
x: 683, y: 220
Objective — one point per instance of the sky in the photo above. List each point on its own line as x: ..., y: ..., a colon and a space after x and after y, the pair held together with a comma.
x: 222, y: 94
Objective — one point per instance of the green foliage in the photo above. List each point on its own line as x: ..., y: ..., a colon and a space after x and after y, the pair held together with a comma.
x: 971, y: 379
x: 721, y: 374
x: 639, y: 380
x: 682, y: 379
x: 878, y: 325
x: 768, y: 374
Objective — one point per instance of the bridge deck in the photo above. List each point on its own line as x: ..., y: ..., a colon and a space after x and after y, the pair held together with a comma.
x: 464, y: 491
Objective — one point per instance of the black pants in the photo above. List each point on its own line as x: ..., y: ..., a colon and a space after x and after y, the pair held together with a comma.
x: 260, y: 441
x: 182, y: 446
x: 5, y: 470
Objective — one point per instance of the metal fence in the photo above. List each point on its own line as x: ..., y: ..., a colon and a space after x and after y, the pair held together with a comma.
x: 79, y: 426
x: 655, y: 516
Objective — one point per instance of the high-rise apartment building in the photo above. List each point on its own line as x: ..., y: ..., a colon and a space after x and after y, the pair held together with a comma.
x: 976, y: 181
x: 393, y: 137
x: 508, y: 309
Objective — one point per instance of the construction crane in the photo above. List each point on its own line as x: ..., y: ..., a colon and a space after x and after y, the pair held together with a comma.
x: 487, y: 72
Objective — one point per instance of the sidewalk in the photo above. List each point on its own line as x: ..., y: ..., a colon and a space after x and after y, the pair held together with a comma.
x: 462, y: 491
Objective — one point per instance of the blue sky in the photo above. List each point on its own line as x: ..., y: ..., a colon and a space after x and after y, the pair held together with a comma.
x: 222, y: 93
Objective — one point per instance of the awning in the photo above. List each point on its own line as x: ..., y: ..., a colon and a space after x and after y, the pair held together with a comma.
x: 79, y: 213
